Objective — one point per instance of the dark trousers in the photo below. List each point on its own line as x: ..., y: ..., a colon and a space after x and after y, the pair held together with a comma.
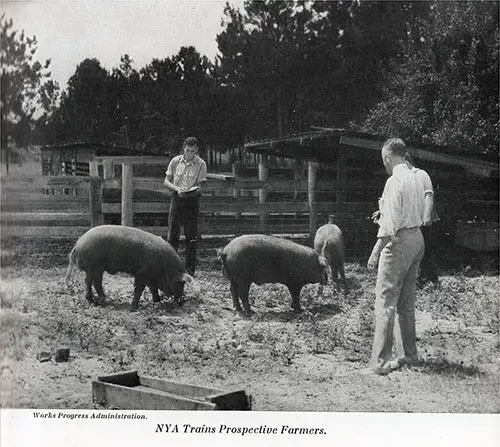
x: 184, y: 213
x: 428, y: 267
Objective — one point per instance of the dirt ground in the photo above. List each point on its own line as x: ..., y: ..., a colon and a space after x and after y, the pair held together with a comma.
x: 287, y: 362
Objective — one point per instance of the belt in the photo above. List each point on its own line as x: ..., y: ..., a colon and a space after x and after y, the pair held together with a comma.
x: 407, y: 230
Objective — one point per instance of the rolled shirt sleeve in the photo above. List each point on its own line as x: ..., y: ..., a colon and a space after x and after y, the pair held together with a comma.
x: 202, y: 173
x: 424, y: 180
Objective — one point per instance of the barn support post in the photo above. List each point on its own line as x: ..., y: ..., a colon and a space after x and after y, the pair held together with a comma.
x: 341, y: 180
x: 312, y: 170
x: 127, y: 190
x: 95, y: 194
x: 236, y: 190
x: 93, y: 168
x: 263, y: 177
x: 298, y: 174
x: 108, y: 171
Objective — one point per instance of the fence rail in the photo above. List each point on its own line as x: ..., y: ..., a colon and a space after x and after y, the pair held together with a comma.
x: 291, y: 202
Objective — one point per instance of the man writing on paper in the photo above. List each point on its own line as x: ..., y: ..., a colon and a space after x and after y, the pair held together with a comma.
x: 184, y: 175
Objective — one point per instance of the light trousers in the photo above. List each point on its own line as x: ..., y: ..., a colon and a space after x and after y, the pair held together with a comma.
x: 395, y: 293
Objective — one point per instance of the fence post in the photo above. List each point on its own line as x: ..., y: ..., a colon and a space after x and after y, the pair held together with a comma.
x: 312, y: 169
x: 263, y: 176
x: 341, y: 180
x: 127, y: 189
x: 93, y: 170
x: 298, y: 174
x: 236, y: 190
x: 95, y: 193
x: 108, y: 171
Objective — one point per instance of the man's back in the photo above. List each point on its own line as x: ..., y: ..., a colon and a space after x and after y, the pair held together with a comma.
x: 402, y: 202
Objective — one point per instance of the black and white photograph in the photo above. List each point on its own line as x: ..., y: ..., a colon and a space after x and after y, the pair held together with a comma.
x: 283, y: 212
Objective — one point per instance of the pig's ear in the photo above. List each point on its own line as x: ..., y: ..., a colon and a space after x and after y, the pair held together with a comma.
x: 186, y: 278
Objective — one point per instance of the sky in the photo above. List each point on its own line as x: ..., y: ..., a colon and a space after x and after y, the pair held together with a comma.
x: 70, y: 31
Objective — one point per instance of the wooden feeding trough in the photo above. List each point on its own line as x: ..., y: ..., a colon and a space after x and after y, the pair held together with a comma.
x: 132, y: 391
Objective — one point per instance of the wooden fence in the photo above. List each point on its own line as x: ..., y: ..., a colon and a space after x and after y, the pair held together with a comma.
x: 277, y: 200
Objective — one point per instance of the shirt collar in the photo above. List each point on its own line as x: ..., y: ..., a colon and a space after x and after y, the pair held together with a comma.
x: 193, y: 161
x: 399, y: 169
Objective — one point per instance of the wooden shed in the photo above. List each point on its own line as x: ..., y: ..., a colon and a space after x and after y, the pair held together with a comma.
x: 466, y: 185
x: 74, y: 158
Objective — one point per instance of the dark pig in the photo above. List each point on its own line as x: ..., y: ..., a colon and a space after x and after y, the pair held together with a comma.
x: 329, y: 242
x: 267, y: 259
x: 114, y: 248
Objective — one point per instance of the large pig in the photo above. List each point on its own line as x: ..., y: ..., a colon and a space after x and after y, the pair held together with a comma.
x: 329, y: 242
x: 114, y: 248
x: 267, y: 259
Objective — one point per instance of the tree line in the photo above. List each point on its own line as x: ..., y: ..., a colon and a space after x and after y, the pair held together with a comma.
x: 425, y: 71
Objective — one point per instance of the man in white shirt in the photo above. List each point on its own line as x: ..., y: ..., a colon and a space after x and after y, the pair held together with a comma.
x: 184, y: 175
x: 398, y: 252
x: 428, y: 267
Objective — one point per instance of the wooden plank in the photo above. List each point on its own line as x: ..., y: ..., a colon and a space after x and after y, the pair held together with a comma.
x: 69, y: 232
x: 137, y: 159
x: 125, y: 378
x: 127, y: 191
x: 143, y: 398
x: 9, y: 217
x: 236, y: 207
x: 93, y: 168
x: 224, y: 177
x: 235, y: 401
x: 182, y: 389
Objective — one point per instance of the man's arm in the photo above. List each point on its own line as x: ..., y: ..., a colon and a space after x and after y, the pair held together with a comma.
x: 428, y: 206
x: 169, y: 177
x: 428, y: 196
x: 168, y: 183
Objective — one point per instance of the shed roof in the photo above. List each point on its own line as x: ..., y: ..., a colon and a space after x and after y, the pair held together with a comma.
x: 324, y: 145
x: 100, y: 149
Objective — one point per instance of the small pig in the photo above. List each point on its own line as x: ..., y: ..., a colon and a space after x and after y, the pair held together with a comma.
x: 267, y: 259
x: 114, y: 248
x: 329, y: 242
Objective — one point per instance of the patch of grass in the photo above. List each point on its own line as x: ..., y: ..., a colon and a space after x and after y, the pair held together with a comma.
x: 323, y: 336
x: 474, y: 300
x: 14, y: 343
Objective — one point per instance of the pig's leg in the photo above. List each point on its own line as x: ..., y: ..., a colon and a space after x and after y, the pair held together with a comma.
x: 295, y: 292
x: 88, y: 283
x: 154, y: 292
x: 139, y: 286
x: 243, y: 289
x: 97, y: 280
x: 234, y: 294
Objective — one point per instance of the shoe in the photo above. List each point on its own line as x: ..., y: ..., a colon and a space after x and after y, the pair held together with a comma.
x: 409, y: 361
x: 382, y: 370
x: 378, y: 371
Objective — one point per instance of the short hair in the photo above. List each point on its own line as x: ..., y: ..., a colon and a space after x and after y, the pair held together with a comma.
x: 190, y: 142
x: 409, y: 158
x: 396, y: 146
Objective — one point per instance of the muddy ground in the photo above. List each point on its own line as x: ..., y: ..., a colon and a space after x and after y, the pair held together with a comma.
x: 287, y: 362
